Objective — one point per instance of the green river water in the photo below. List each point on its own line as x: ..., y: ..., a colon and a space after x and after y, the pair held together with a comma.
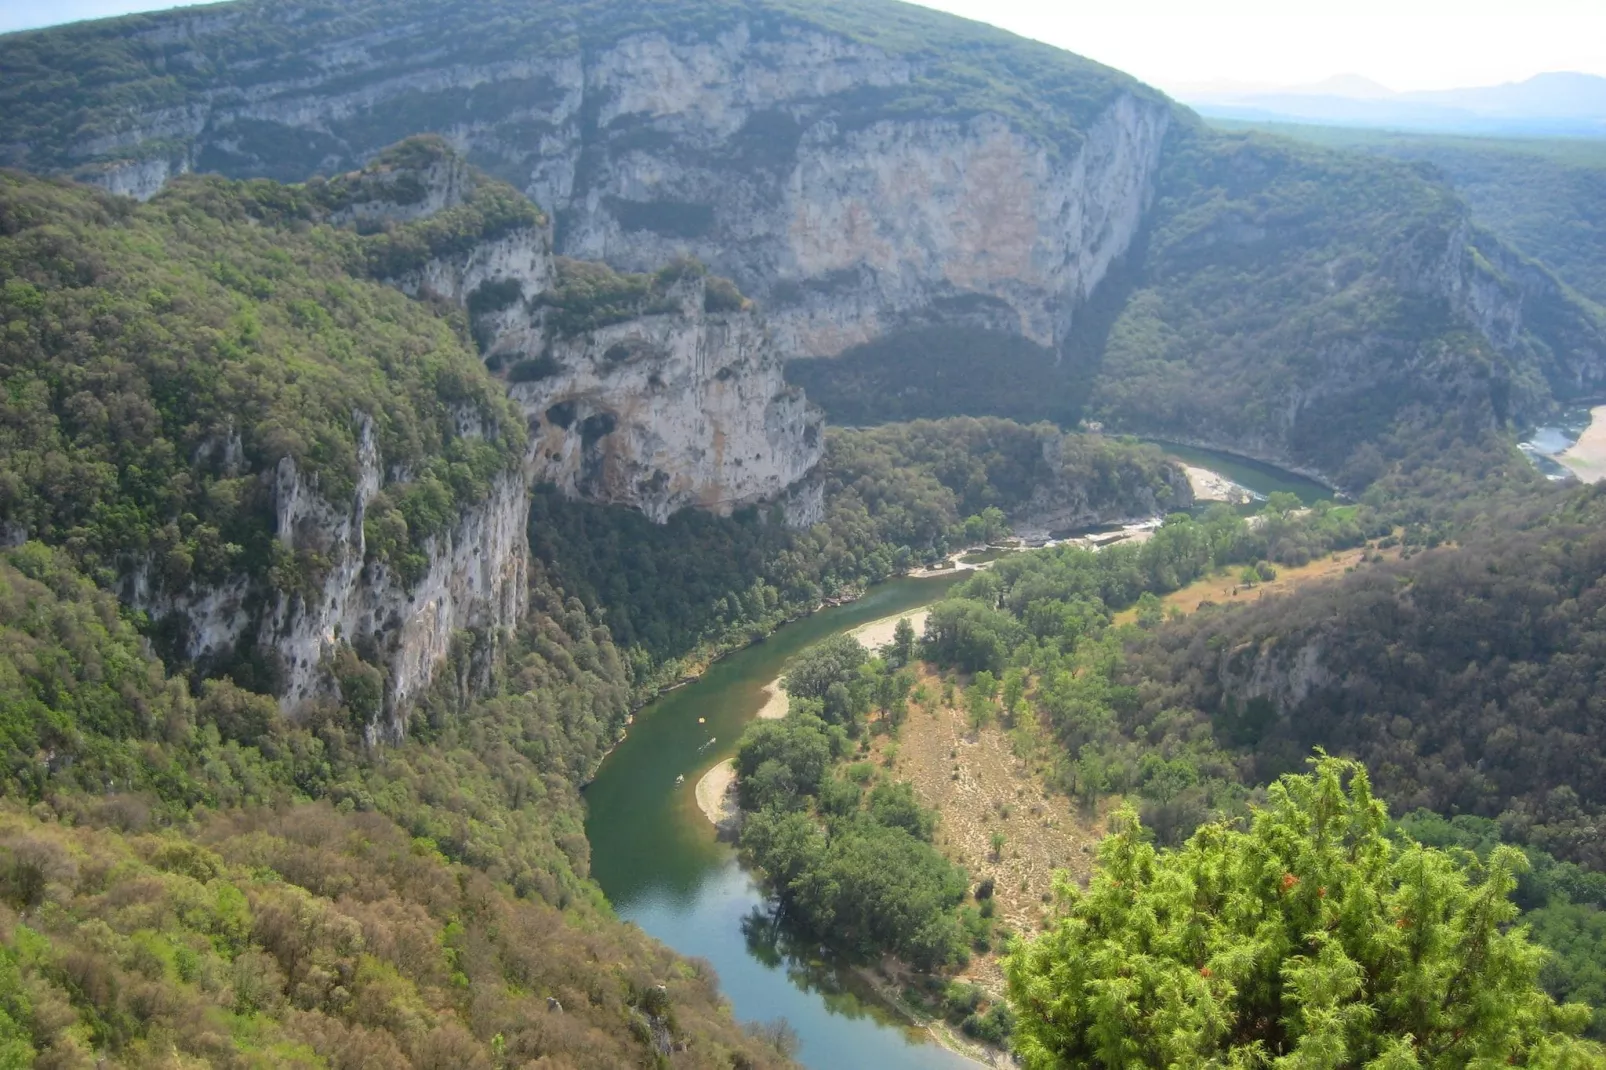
x: 656, y: 856
x: 1264, y: 479
x: 657, y: 859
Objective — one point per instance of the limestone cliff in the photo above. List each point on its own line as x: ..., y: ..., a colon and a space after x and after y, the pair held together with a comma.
x: 847, y: 179
x: 475, y: 579
x: 683, y: 407
x: 659, y: 392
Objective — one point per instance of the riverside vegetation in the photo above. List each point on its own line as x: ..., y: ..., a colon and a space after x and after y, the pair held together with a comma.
x: 188, y: 876
x: 1039, y: 623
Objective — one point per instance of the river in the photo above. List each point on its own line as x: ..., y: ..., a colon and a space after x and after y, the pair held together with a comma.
x: 1264, y: 479
x: 656, y: 857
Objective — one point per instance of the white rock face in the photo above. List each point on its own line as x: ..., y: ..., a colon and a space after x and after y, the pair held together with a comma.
x: 477, y: 578
x: 747, y: 150
x: 670, y: 411
x: 680, y: 409
x: 524, y: 256
x: 1286, y: 677
x: 854, y: 232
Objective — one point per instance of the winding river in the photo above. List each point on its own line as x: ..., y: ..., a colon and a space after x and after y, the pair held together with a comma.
x: 1262, y: 478
x: 657, y: 859
x: 660, y: 864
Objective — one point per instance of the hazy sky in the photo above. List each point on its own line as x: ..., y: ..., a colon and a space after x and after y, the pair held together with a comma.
x: 1405, y: 44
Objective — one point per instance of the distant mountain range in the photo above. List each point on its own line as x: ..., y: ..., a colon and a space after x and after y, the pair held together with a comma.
x: 1560, y: 104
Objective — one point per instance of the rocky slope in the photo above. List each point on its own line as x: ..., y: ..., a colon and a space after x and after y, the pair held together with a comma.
x: 658, y: 392
x: 801, y: 154
x: 474, y: 577
x: 684, y: 407
x: 870, y: 172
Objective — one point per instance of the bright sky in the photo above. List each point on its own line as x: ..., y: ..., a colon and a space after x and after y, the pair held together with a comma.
x: 1405, y: 44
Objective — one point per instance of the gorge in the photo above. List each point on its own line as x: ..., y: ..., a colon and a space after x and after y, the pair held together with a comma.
x: 402, y: 399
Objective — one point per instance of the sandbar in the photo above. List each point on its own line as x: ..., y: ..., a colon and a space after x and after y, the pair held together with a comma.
x: 716, y: 795
x: 1587, y: 456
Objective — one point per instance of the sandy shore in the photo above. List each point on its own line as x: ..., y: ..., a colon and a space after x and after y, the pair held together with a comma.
x: 716, y: 793
x: 879, y: 633
x: 1211, y: 486
x: 1587, y: 456
x: 775, y: 702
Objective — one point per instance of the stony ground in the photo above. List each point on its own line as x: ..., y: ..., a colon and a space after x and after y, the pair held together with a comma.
x: 1225, y: 587
x: 987, y: 782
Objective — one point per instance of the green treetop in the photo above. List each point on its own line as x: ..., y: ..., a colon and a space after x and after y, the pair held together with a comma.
x: 1309, y: 940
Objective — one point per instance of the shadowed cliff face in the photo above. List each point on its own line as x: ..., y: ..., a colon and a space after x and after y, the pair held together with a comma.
x: 873, y: 175
x: 822, y: 158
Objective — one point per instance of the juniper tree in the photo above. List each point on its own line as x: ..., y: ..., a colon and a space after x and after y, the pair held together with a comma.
x: 1311, y: 939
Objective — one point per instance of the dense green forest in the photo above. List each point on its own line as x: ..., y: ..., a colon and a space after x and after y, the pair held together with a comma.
x: 853, y: 869
x: 1543, y: 196
x: 193, y: 874
x: 137, y: 339
x: 1463, y: 678
x: 895, y: 497
x: 188, y: 877
x: 1461, y: 675
x: 1309, y: 938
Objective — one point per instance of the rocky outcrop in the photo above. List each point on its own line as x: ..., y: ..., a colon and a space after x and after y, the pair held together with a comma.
x: 476, y: 579
x: 1282, y: 674
x: 682, y: 405
x: 1068, y: 501
x: 1525, y: 313
x: 784, y: 155
x: 861, y: 231
x: 681, y: 408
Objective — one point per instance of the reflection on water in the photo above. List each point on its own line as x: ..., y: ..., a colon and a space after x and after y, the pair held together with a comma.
x: 1545, y: 443
x: 657, y: 858
x: 767, y: 974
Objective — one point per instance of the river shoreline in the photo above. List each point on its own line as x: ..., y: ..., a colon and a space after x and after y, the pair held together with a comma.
x: 716, y: 788
x: 717, y: 800
x: 1587, y: 456
x: 716, y: 794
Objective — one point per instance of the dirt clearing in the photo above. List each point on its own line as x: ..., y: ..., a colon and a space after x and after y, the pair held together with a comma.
x: 981, y: 786
x: 1227, y: 587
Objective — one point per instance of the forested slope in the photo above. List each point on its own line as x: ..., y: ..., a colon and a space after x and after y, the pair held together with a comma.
x: 1464, y: 675
x: 195, y: 876
x: 1468, y: 679
x: 160, y: 360
x: 1543, y: 196
x: 189, y: 872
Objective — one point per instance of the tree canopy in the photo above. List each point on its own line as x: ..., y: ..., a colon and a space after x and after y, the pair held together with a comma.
x: 1309, y: 939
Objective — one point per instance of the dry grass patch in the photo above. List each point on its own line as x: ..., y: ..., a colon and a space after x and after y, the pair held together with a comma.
x: 984, y: 784
x: 1225, y: 587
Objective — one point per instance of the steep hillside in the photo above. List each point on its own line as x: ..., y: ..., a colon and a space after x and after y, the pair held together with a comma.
x: 1466, y: 678
x: 217, y: 407
x: 193, y: 880
x: 1295, y: 302
x: 252, y: 444
x: 846, y: 165
x: 1543, y: 197
x: 975, y: 223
